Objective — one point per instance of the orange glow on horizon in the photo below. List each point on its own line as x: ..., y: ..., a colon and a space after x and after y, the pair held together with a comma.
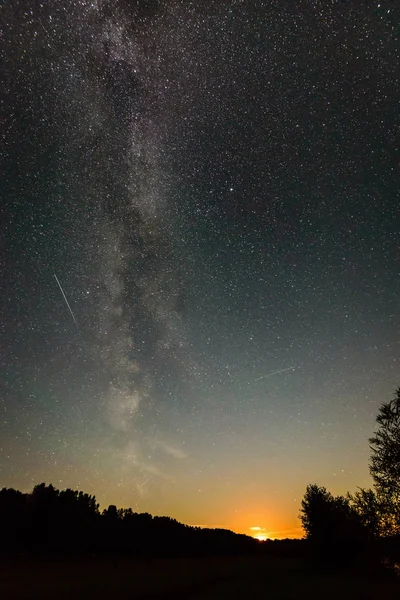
x: 261, y: 537
x: 260, y: 516
x: 264, y: 523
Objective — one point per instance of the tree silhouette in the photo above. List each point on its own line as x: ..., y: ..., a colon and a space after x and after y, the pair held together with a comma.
x: 315, y: 509
x: 50, y: 522
x: 366, y: 503
x: 332, y: 525
x: 385, y: 464
x: 13, y: 521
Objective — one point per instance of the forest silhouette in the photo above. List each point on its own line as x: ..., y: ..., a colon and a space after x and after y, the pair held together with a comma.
x: 57, y: 543
x: 338, y: 530
x: 68, y: 522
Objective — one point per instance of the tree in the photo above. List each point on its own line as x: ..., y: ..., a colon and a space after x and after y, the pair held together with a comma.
x: 385, y: 463
x: 366, y: 503
x: 332, y: 525
x: 12, y: 520
x: 314, y: 512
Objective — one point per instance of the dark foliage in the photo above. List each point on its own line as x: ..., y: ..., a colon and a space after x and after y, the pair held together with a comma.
x: 367, y: 523
x: 286, y: 548
x: 334, y: 529
x: 370, y: 510
x: 385, y: 464
x: 68, y: 522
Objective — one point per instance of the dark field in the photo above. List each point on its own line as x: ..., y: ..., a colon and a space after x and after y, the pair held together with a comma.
x: 259, y: 577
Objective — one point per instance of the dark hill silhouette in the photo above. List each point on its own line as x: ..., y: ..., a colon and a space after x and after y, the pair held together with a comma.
x: 68, y: 522
x: 57, y: 544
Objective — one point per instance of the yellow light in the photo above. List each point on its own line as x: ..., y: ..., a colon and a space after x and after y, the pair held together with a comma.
x: 261, y: 537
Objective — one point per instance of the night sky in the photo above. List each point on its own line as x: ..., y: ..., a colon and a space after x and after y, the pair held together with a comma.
x: 200, y: 241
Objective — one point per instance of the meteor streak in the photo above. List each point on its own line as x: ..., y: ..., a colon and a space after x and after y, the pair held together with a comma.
x: 274, y: 373
x: 66, y: 301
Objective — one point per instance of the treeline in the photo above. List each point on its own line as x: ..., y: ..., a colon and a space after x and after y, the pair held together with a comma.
x: 366, y: 524
x: 50, y: 522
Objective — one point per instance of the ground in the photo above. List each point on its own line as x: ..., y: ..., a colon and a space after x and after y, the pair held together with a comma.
x: 195, y: 579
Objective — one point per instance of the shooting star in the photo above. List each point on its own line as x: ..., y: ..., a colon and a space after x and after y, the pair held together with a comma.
x: 66, y: 301
x: 140, y: 487
x: 274, y: 373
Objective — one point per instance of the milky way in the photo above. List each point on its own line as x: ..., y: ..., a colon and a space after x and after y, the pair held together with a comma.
x: 214, y: 186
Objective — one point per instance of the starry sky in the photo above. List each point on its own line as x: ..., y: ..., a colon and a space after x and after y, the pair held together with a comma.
x: 199, y: 292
